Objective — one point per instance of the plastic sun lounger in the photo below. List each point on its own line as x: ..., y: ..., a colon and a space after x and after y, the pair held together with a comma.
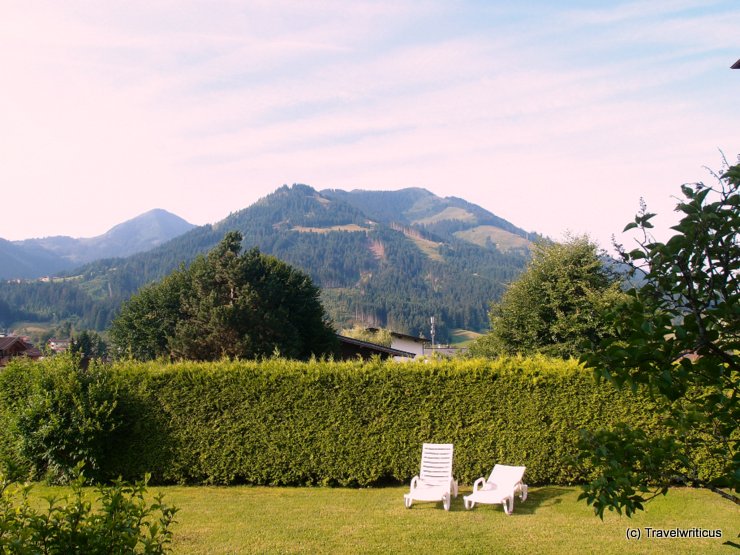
x: 503, y: 483
x: 434, y: 482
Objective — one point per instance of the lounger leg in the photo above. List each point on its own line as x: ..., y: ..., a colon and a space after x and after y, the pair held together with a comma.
x: 408, y: 501
x: 523, y: 493
x: 446, y: 501
x: 508, y: 505
x: 468, y: 504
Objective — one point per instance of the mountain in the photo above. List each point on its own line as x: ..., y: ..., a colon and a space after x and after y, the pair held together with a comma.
x: 447, y: 217
x: 32, y: 258
x: 17, y: 261
x: 383, y: 258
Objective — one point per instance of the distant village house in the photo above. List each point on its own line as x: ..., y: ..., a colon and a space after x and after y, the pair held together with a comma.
x: 58, y: 345
x: 12, y: 346
x: 350, y: 348
x: 412, y: 345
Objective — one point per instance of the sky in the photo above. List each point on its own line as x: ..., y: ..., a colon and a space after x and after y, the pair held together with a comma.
x: 557, y: 116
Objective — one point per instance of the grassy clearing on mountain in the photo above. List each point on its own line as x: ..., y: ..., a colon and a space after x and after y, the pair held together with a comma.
x: 348, y: 227
x: 449, y: 213
x: 483, y: 235
x: 461, y: 337
x: 429, y: 248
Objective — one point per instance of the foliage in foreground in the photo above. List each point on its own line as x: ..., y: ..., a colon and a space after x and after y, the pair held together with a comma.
x: 555, y: 305
x: 58, y: 414
x: 678, y: 335
x: 119, y: 520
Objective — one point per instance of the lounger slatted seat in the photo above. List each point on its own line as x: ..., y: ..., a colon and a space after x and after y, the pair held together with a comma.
x: 434, y: 481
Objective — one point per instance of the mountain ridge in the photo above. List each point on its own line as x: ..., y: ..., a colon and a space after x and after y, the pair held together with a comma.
x: 381, y: 258
x: 37, y: 257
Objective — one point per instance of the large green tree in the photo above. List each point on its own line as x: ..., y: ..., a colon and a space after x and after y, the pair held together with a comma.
x: 556, y: 303
x: 678, y: 337
x: 226, y: 304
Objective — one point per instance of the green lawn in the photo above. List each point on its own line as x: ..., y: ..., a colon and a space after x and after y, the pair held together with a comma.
x: 336, y: 520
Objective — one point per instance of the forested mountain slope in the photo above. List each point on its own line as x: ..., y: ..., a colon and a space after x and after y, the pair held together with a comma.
x: 389, y: 259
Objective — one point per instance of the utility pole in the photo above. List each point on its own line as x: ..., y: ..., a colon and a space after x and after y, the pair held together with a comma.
x: 432, y: 321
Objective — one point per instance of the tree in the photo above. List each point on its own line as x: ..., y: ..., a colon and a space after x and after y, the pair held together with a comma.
x: 555, y: 305
x: 678, y: 338
x: 89, y: 344
x: 378, y: 336
x: 226, y: 304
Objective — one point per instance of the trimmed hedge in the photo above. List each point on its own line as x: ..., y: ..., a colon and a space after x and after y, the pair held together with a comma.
x: 356, y: 423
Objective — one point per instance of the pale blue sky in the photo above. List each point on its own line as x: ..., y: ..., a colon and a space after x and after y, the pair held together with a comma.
x: 556, y: 116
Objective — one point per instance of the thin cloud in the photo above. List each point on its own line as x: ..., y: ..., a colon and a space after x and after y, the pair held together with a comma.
x: 539, y: 114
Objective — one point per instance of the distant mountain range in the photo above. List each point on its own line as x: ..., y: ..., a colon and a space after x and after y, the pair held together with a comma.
x: 33, y: 258
x: 383, y: 258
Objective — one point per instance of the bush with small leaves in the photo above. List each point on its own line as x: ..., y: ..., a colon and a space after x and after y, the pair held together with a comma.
x: 120, y: 520
x: 60, y: 414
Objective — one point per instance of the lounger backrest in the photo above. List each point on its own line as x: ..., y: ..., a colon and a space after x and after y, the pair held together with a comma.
x: 504, y: 475
x: 436, y: 463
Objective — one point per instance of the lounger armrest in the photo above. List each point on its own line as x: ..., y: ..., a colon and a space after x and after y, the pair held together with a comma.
x: 478, y: 484
x: 414, y: 483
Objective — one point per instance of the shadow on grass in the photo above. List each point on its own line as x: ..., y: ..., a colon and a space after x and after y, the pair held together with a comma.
x: 540, y: 497
x: 536, y: 498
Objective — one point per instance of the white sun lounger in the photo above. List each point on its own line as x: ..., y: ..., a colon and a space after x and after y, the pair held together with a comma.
x: 503, y: 483
x: 434, y: 482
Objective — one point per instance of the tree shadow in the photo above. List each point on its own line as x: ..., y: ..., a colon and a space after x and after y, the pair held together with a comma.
x: 536, y: 498
x: 541, y: 497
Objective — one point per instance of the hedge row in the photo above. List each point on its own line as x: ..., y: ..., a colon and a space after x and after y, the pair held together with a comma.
x: 346, y: 423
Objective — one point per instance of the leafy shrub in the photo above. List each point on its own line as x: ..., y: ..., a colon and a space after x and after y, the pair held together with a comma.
x: 353, y: 423
x: 124, y: 521
x: 61, y: 414
x: 359, y: 423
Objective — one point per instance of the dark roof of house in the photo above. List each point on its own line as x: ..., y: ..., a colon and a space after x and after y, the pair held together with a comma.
x: 736, y: 65
x: 402, y: 335
x: 33, y: 352
x: 379, y: 349
x: 9, y: 340
x: 28, y: 349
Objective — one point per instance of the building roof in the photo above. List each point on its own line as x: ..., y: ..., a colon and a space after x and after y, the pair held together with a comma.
x: 402, y: 335
x: 6, y: 342
x: 33, y: 352
x: 736, y: 65
x: 372, y: 348
x: 26, y: 348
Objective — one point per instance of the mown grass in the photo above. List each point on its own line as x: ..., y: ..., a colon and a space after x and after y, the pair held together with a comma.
x: 219, y: 520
